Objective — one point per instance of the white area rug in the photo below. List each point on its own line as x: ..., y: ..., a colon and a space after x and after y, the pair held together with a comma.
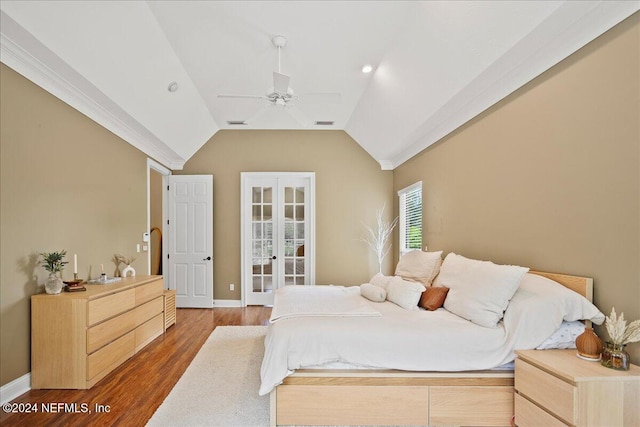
x: 220, y: 386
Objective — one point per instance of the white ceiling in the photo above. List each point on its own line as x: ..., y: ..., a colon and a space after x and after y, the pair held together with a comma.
x: 436, y: 64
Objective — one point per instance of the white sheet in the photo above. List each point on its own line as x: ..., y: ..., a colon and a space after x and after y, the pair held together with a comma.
x: 319, y: 301
x: 402, y: 339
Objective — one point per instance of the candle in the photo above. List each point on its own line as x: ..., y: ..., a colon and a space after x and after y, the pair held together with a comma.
x: 75, y: 263
x: 102, y: 268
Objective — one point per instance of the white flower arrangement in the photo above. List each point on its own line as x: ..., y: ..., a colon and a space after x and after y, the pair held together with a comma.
x: 377, y: 239
x: 619, y: 332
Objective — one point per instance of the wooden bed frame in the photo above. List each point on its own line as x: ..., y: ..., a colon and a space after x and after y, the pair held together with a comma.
x: 391, y: 397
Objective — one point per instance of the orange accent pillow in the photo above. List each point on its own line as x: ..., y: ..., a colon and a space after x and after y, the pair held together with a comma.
x: 433, y: 298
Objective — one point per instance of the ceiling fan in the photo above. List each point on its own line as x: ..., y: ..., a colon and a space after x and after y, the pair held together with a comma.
x: 281, y: 94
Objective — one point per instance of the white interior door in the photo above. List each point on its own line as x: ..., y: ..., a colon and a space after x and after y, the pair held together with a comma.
x: 278, y: 233
x: 190, y: 252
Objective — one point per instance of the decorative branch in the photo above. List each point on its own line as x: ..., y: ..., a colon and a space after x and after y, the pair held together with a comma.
x: 378, y: 238
x: 123, y: 259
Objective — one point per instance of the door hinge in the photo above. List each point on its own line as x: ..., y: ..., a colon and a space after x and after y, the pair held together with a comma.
x: 167, y: 188
x: 167, y: 222
x: 168, y: 256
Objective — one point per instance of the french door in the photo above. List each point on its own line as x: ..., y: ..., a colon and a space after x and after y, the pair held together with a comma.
x: 278, y: 215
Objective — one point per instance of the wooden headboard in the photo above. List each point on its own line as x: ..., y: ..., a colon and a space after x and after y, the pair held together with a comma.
x: 581, y: 285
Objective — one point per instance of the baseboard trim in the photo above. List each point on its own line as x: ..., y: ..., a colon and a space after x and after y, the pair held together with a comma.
x: 224, y: 303
x: 15, y: 388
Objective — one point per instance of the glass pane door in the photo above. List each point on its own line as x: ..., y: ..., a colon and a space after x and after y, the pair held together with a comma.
x: 294, y: 232
x: 262, y: 239
x: 277, y: 229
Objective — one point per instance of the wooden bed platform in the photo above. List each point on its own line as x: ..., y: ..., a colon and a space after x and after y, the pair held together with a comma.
x: 390, y: 397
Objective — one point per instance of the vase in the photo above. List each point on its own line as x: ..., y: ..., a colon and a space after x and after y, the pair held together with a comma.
x: 588, y: 344
x: 53, y: 285
x: 614, y: 357
x: 128, y: 270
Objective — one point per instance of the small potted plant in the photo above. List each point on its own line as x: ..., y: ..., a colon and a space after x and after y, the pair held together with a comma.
x: 54, y: 263
x: 620, y: 334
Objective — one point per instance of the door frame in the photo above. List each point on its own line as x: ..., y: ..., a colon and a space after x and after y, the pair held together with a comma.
x: 157, y: 167
x: 311, y: 250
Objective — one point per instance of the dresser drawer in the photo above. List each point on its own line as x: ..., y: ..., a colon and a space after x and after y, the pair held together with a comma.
x: 103, y: 308
x: 546, y: 390
x: 107, y: 331
x: 108, y: 357
x: 148, y: 310
x: 149, y: 291
x: 148, y: 331
x: 529, y: 415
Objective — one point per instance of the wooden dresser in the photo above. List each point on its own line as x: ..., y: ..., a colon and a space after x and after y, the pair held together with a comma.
x: 78, y: 338
x: 555, y: 388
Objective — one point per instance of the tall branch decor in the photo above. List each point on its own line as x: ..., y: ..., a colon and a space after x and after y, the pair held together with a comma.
x: 378, y: 238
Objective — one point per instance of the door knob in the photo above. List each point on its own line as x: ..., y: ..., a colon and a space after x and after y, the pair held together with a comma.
x: 207, y: 258
x: 273, y: 257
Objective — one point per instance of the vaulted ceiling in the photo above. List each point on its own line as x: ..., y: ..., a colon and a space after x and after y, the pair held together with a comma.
x: 436, y: 64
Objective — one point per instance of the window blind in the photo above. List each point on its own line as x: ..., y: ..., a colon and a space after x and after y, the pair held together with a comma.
x: 410, y: 217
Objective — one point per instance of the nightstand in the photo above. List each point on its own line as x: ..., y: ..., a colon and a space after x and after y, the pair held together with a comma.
x: 556, y: 388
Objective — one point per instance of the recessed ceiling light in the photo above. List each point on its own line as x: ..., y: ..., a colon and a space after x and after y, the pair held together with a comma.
x: 173, y: 86
x: 367, y: 68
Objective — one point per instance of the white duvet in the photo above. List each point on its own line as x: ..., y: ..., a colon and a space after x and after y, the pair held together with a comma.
x: 412, y: 340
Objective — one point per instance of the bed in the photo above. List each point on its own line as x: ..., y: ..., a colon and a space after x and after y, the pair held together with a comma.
x: 328, y: 394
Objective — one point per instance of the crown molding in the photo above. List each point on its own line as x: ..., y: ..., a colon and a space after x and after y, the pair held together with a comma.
x: 548, y: 44
x: 27, y: 56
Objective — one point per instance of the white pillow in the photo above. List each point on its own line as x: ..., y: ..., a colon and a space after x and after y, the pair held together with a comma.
x: 538, y: 308
x: 373, y: 293
x: 404, y: 293
x: 381, y: 280
x: 564, y: 337
x: 419, y: 266
x: 479, y: 291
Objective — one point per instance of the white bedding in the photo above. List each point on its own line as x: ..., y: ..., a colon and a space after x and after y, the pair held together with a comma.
x: 319, y: 301
x: 412, y: 340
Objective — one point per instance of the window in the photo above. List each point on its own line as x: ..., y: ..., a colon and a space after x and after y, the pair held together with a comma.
x: 410, y: 217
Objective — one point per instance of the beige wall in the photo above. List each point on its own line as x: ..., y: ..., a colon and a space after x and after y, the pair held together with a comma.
x: 550, y: 176
x: 349, y: 188
x: 66, y: 183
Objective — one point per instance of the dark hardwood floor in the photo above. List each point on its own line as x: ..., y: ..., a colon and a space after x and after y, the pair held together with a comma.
x: 130, y: 395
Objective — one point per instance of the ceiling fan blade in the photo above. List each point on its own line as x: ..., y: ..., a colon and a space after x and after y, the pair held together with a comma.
x: 324, y: 98
x: 250, y: 121
x: 243, y: 96
x: 299, y: 116
x: 280, y: 82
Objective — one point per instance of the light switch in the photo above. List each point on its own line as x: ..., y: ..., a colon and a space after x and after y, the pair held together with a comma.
x: 145, y: 237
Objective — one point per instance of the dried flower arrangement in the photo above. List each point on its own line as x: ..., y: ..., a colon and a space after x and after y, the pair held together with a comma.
x: 619, y: 332
x: 123, y: 259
